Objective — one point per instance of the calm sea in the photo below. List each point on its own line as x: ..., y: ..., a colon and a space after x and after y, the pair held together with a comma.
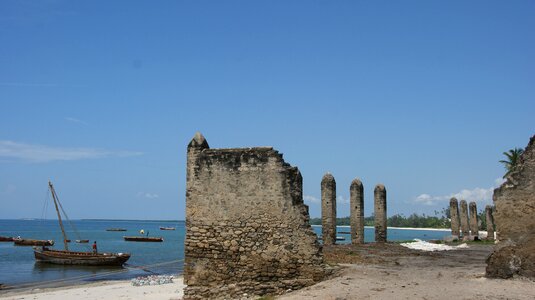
x: 18, y: 267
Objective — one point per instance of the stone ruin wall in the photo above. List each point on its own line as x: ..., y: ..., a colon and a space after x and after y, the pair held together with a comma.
x: 247, y: 228
x: 515, y: 223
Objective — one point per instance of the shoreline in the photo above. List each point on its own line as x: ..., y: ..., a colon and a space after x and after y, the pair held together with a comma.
x: 400, y: 228
x: 106, y: 289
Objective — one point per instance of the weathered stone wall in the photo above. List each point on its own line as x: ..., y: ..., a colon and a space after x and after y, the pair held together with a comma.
x: 379, y: 195
x: 514, y: 216
x: 328, y: 209
x: 465, y: 227
x: 247, y: 228
x: 454, y: 214
x: 474, y: 228
x: 489, y: 215
x: 356, y: 213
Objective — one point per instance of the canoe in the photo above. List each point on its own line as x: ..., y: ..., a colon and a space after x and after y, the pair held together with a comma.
x: 63, y: 257
x: 142, y: 239
x: 29, y: 242
x: 6, y: 239
x: 115, y: 229
x: 167, y: 228
x: 82, y: 241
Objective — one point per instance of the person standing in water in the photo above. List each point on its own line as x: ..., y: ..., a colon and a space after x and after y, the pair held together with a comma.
x: 95, y: 247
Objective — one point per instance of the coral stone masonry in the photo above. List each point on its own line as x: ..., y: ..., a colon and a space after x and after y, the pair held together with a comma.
x: 474, y: 228
x: 454, y: 214
x: 356, y: 200
x: 514, y: 217
x: 465, y: 224
x: 380, y: 213
x: 247, y: 228
x: 328, y: 209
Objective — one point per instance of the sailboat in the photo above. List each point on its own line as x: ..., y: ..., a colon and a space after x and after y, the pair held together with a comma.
x: 67, y: 257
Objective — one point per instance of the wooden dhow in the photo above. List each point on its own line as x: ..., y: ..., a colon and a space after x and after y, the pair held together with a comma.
x: 66, y: 257
x: 30, y: 242
x: 142, y: 239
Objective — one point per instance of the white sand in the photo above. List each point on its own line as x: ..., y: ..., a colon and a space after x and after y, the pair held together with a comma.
x: 106, y: 290
x: 426, y: 246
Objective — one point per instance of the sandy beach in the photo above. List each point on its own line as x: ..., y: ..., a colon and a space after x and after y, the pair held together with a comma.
x: 105, y: 290
x: 394, y: 272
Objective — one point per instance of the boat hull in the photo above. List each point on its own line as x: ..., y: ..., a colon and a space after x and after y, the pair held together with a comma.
x: 27, y: 242
x: 167, y: 228
x: 142, y: 239
x: 80, y: 258
x: 6, y: 239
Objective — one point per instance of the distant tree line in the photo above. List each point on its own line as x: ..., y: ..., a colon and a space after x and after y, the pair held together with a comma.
x: 440, y: 219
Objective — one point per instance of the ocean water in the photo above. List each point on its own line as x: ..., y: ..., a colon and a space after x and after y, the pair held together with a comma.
x: 19, y: 269
x: 18, y: 266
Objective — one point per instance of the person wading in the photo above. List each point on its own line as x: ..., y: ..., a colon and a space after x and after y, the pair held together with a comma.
x: 95, y: 247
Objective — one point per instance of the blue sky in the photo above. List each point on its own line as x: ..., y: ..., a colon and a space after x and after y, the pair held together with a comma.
x: 102, y: 97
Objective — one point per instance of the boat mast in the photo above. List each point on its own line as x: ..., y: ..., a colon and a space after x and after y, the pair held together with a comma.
x: 54, y: 196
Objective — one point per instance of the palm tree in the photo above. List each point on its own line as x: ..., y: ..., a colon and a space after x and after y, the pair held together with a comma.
x: 512, y: 160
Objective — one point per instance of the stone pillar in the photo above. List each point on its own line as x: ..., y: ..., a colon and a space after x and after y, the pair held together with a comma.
x: 490, y: 222
x: 328, y: 209
x: 356, y: 212
x: 465, y: 228
x: 454, y: 214
x: 380, y: 213
x: 474, y: 228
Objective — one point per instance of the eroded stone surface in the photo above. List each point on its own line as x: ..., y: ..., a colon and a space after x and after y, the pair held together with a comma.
x: 247, y: 228
x: 465, y: 225
x: 356, y: 200
x: 454, y: 214
x: 489, y: 215
x: 380, y: 213
x: 328, y: 209
x: 514, y: 216
x: 474, y: 229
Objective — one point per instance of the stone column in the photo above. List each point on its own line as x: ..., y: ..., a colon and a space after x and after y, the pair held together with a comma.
x: 474, y: 228
x: 454, y: 214
x: 356, y: 212
x: 490, y: 222
x: 465, y: 228
x: 380, y: 213
x: 328, y: 209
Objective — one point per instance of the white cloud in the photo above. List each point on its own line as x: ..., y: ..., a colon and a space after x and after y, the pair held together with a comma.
x: 342, y: 200
x: 74, y: 120
x: 315, y: 200
x: 311, y: 199
x: 41, y: 153
x: 148, y: 195
x: 477, y: 195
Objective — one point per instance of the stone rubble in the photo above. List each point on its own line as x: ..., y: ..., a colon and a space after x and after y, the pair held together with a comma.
x: 152, y: 280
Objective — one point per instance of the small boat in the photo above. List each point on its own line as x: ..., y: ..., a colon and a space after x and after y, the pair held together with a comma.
x: 344, y: 232
x: 82, y: 241
x: 30, y: 242
x: 115, y: 229
x: 6, y: 239
x: 67, y: 257
x: 142, y: 239
x: 167, y: 228
x: 340, y: 238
